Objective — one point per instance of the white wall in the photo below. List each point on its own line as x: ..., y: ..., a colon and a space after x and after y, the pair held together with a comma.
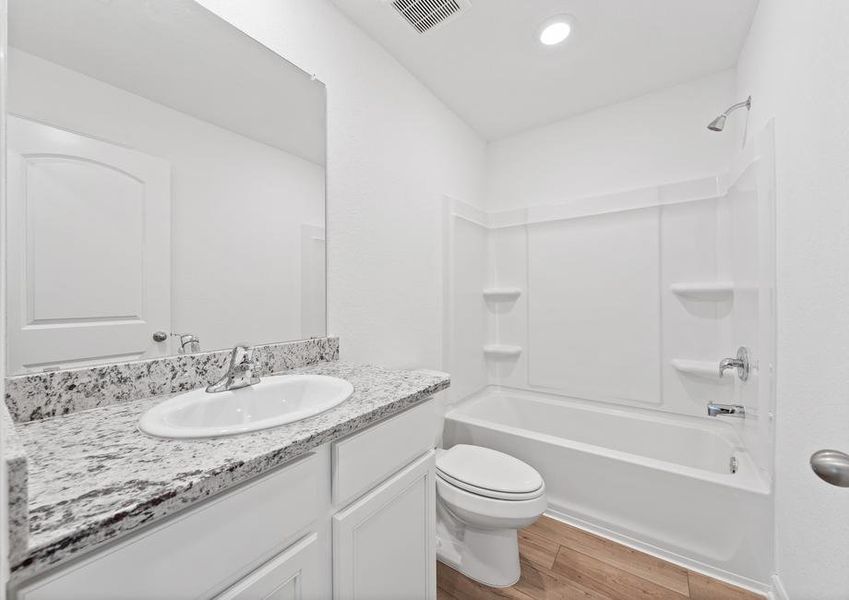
x: 237, y: 204
x: 654, y: 139
x: 794, y: 65
x: 393, y: 151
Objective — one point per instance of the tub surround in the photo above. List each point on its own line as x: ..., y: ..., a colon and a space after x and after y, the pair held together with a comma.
x: 50, y: 394
x: 93, y: 476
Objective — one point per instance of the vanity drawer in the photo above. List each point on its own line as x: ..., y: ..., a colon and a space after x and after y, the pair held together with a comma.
x: 205, y: 549
x: 364, y: 459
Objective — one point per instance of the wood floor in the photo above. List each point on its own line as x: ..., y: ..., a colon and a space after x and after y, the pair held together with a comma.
x: 560, y: 562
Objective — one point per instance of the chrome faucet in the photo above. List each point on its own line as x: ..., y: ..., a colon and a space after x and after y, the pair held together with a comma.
x: 239, y: 374
x: 741, y: 363
x: 725, y: 410
x: 190, y: 340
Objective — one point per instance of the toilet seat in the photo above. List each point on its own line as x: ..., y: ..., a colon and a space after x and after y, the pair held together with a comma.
x: 491, y: 494
x: 489, y: 473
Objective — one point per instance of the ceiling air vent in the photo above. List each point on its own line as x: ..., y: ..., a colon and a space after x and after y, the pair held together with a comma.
x: 425, y: 15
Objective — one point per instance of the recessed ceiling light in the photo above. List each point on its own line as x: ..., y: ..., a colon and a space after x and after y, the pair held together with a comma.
x: 555, y: 31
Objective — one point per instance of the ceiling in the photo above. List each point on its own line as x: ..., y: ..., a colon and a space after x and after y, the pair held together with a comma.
x: 489, y: 67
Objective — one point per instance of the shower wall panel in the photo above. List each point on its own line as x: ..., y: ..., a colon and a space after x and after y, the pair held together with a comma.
x: 594, y: 306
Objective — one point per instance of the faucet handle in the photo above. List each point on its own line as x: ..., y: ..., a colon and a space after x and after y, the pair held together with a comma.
x: 240, y: 351
x: 740, y: 363
x: 240, y: 371
x: 243, y: 347
x: 242, y: 357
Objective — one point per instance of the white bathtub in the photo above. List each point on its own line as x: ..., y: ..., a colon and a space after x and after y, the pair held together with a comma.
x: 661, y: 483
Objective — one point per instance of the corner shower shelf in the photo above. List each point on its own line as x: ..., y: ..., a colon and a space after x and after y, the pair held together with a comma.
x: 501, y: 351
x: 502, y: 294
x: 700, y: 368
x: 703, y: 290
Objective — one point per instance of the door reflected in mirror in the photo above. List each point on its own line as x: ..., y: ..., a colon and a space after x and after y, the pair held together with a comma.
x: 166, y: 185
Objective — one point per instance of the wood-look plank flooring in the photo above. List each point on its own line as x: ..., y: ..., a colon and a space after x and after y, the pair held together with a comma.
x: 561, y: 562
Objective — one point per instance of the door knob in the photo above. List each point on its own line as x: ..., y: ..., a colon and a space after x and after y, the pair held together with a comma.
x: 832, y: 466
x: 159, y: 336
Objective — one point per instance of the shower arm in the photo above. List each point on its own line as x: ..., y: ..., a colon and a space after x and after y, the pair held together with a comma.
x: 747, y: 103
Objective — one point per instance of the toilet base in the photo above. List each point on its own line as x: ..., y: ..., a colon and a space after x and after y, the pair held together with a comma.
x: 489, y: 556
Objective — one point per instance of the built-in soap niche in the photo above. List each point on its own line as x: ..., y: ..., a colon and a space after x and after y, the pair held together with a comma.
x: 501, y: 351
x: 705, y: 299
x: 499, y: 301
x: 501, y: 295
x: 708, y: 291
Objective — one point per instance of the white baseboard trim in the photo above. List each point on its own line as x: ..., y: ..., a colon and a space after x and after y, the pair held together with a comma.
x: 681, y: 561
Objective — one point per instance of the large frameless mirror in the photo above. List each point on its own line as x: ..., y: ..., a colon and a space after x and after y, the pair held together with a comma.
x: 166, y: 185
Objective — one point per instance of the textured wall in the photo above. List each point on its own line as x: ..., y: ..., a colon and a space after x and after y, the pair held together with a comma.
x: 393, y: 151
x: 651, y: 140
x: 794, y: 65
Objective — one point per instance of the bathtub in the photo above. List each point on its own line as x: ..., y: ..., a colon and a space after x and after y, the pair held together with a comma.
x: 682, y: 488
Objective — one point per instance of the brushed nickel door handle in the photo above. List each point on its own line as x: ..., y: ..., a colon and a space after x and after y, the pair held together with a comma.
x: 832, y: 466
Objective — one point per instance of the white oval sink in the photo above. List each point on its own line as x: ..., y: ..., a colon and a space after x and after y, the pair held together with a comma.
x: 271, y: 402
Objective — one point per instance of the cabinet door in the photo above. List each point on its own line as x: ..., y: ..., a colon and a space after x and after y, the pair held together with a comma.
x: 383, y: 544
x: 292, y: 575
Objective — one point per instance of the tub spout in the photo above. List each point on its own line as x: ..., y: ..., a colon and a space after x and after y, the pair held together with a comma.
x: 725, y: 410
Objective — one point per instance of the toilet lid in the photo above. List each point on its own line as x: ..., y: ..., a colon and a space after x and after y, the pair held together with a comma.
x: 488, y: 472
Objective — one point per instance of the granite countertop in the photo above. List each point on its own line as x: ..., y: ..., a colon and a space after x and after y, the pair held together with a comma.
x: 93, y: 476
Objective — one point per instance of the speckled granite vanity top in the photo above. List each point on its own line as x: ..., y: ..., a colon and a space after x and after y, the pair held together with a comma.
x: 92, y: 475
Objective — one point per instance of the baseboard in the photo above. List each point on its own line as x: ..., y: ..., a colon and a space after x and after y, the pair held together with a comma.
x: 681, y: 561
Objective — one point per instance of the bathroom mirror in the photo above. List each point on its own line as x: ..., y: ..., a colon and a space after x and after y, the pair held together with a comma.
x: 166, y: 185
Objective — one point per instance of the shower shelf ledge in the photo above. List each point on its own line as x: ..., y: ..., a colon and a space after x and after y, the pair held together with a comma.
x: 501, y: 351
x: 703, y: 290
x: 502, y: 294
x: 700, y: 368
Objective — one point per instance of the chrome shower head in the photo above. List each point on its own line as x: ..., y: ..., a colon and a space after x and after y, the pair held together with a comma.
x: 718, y: 124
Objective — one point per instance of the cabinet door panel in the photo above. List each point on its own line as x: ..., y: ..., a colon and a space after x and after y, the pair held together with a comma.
x: 292, y: 575
x: 383, y: 544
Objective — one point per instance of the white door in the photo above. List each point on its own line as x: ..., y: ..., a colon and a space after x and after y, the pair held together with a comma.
x: 89, y: 236
x: 383, y: 544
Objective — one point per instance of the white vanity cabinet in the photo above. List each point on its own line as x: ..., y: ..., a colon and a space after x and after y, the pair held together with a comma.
x: 203, y: 550
x: 383, y: 544
x: 383, y: 541
x: 352, y: 520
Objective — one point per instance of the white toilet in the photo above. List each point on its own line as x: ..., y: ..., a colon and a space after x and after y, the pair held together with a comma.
x: 483, y: 498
